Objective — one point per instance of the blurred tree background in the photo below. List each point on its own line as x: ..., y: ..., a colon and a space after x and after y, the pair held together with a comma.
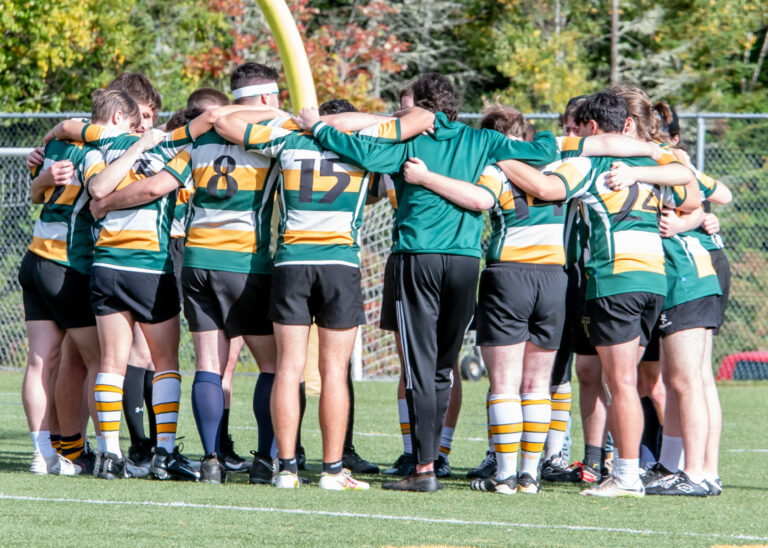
x: 533, y: 54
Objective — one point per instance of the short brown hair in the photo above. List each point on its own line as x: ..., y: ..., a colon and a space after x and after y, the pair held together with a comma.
x: 505, y: 120
x: 106, y: 102
x: 140, y: 88
x: 570, y: 109
x: 435, y: 93
x: 644, y: 113
x: 205, y: 97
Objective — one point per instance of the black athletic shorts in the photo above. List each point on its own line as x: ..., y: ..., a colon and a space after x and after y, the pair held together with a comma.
x: 521, y: 302
x: 176, y: 249
x: 576, y: 295
x: 150, y: 298
x: 723, y: 269
x: 703, y: 312
x: 328, y: 294
x: 55, y: 292
x: 620, y: 318
x: 388, y: 320
x: 235, y: 302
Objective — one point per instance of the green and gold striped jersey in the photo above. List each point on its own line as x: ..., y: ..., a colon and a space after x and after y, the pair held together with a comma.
x: 65, y: 230
x: 524, y: 228
x: 137, y: 238
x: 231, y: 207
x: 427, y: 222
x: 690, y: 274
x: 624, y: 252
x: 320, y: 196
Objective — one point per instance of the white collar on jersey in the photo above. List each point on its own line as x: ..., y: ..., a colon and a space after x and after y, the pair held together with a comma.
x: 255, y: 90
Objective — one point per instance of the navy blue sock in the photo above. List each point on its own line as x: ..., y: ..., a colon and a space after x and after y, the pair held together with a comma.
x: 261, y: 397
x: 208, y: 408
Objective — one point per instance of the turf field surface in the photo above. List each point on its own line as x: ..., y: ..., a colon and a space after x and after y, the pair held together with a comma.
x: 50, y: 510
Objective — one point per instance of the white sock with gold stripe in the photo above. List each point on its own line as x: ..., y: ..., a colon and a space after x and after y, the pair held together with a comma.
x: 108, y: 393
x: 166, y: 393
x: 506, y: 420
x: 558, y: 424
x: 405, y: 425
x: 537, y: 410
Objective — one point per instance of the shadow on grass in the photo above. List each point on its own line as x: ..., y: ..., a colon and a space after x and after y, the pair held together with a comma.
x: 14, y: 461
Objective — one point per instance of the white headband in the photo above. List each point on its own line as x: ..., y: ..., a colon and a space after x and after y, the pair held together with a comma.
x: 256, y: 90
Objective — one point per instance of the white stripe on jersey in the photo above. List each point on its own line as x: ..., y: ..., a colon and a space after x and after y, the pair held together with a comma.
x: 51, y: 231
x: 225, y: 219
x: 319, y: 221
x: 524, y: 236
x: 637, y: 241
x: 130, y: 219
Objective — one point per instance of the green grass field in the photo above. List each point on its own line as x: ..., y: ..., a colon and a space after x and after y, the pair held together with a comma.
x: 44, y: 511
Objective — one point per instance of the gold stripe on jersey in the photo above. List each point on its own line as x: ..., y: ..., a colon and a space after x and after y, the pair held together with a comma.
x: 317, y: 237
x: 573, y: 171
x: 55, y: 250
x: 249, y: 178
x: 493, y: 184
x: 570, y: 144
x: 93, y: 169
x: 67, y: 196
x: 220, y: 239
x: 129, y: 239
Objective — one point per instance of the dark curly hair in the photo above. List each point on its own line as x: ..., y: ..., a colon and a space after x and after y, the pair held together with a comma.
x: 434, y: 92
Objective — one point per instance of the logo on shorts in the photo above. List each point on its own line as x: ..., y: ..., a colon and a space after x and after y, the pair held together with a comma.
x: 585, y: 325
x: 664, y: 321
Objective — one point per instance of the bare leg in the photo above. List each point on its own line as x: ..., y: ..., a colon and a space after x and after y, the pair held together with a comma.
x: 591, y: 399
x: 711, y: 459
x: 683, y: 354
x: 42, y: 361
x: 291, y: 341
x: 334, y: 350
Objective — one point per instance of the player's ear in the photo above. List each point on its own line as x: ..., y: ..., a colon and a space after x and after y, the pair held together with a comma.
x: 629, y: 123
x: 117, y: 117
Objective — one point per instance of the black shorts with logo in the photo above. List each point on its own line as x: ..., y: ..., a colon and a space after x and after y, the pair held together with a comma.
x: 236, y: 302
x: 150, y: 298
x: 723, y: 269
x: 703, y: 312
x: 55, y: 292
x: 328, y: 294
x: 620, y: 318
x: 521, y: 302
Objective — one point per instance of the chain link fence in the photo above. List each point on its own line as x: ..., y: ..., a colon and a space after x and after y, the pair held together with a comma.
x: 729, y: 147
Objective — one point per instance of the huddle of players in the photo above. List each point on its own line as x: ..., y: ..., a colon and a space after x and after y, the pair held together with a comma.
x: 315, y: 273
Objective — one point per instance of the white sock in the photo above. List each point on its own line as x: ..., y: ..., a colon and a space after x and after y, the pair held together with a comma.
x: 491, y: 447
x: 537, y: 412
x: 166, y: 393
x: 41, y: 441
x: 101, y: 444
x: 446, y: 438
x: 506, y: 427
x: 108, y: 393
x: 405, y: 425
x: 627, y: 471
x: 671, y: 452
x: 558, y: 424
x: 698, y: 478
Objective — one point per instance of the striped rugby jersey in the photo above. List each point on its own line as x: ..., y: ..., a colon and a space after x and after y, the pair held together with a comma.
x: 707, y: 185
x: 320, y: 196
x: 427, y: 222
x: 136, y: 238
x: 231, y: 205
x: 624, y: 252
x: 65, y: 231
x: 524, y: 228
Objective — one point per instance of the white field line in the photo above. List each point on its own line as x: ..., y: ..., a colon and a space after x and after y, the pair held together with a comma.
x: 382, y: 517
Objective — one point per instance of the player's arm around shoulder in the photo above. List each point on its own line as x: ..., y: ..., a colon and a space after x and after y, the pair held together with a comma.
x: 475, y: 197
x: 59, y: 174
